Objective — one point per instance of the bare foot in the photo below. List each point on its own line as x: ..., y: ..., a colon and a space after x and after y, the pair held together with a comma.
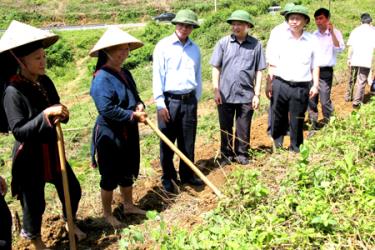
x: 131, y: 209
x: 38, y: 244
x: 112, y: 221
x: 77, y: 232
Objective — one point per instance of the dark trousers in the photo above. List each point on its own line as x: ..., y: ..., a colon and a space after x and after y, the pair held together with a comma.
x: 181, y: 126
x: 278, y: 141
x: 290, y: 101
x: 5, y: 225
x: 325, y: 86
x: 33, y: 203
x: 243, y: 114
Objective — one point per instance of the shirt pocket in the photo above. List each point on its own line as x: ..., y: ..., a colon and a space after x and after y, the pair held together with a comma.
x: 246, y: 59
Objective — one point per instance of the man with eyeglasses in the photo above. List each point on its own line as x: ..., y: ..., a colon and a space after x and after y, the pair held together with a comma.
x: 177, y: 87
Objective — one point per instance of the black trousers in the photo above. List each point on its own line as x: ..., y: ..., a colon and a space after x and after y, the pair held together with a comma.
x: 289, y: 101
x: 325, y: 86
x: 243, y: 114
x: 33, y: 203
x: 181, y: 126
x: 5, y: 225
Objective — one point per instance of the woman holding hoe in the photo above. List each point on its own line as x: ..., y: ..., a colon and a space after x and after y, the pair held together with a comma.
x: 32, y: 107
x: 115, y: 134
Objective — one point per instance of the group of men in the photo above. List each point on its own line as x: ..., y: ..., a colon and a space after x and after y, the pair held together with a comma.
x: 300, y: 73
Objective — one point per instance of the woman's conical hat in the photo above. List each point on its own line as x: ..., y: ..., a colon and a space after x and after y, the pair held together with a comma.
x: 18, y: 34
x: 115, y: 36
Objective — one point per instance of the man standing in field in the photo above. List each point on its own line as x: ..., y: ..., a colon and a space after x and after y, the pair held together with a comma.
x: 177, y: 87
x: 237, y: 62
x: 361, y: 48
x: 278, y: 31
x: 330, y: 43
x: 292, y: 68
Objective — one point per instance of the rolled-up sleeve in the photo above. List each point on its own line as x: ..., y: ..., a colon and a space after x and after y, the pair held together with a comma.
x: 341, y: 42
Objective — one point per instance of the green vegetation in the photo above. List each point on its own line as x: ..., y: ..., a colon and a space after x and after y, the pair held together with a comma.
x: 327, y: 197
x: 327, y: 200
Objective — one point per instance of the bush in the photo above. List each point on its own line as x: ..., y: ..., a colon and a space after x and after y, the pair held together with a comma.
x: 59, y: 54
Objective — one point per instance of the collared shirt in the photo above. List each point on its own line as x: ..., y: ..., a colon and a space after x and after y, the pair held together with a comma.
x: 176, y: 69
x: 293, y: 58
x: 327, y: 50
x: 362, y: 41
x: 238, y: 63
x: 278, y: 31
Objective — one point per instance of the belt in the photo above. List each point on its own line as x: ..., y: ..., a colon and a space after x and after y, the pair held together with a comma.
x: 181, y: 97
x: 292, y: 83
x: 328, y: 68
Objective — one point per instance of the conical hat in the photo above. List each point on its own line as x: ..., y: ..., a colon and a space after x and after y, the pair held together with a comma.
x: 115, y: 36
x: 19, y: 34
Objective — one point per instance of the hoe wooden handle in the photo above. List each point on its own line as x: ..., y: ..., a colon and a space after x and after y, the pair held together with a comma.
x: 184, y: 158
x: 68, y: 206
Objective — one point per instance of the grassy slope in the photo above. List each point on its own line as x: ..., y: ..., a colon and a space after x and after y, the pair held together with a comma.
x: 73, y: 80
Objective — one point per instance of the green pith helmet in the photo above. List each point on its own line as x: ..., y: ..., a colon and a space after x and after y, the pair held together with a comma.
x: 287, y: 8
x: 298, y: 9
x: 242, y: 16
x: 186, y: 17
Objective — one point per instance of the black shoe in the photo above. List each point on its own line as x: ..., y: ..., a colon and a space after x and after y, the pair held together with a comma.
x: 168, y: 185
x: 194, y: 181
x: 243, y: 160
x: 224, y: 160
x: 356, y: 106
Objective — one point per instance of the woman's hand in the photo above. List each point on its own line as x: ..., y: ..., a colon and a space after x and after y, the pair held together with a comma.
x: 140, y: 107
x: 57, y: 112
x: 140, y: 116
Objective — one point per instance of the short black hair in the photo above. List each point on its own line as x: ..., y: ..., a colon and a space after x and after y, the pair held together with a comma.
x: 322, y: 11
x: 366, y: 18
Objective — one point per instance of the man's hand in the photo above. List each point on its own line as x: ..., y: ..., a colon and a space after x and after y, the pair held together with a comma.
x: 268, y: 89
x: 217, y: 96
x: 163, y: 114
x: 255, y: 102
x: 3, y: 186
x: 140, y: 116
x: 313, y: 91
x: 330, y: 27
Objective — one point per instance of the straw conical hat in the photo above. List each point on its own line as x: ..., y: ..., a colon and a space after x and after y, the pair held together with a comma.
x: 19, y: 34
x: 115, y: 36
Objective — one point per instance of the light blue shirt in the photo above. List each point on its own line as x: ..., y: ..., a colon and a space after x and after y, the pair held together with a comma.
x: 176, y: 69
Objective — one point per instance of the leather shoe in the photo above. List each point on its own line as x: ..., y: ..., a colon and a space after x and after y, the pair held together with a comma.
x: 167, y: 185
x: 224, y: 160
x: 243, y: 160
x: 194, y: 181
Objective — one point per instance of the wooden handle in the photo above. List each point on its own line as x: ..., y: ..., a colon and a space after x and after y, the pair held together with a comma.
x: 184, y: 158
x: 68, y: 206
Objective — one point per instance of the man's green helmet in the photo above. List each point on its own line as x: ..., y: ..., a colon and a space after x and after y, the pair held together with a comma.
x: 287, y: 8
x: 299, y: 9
x: 242, y: 16
x: 186, y: 17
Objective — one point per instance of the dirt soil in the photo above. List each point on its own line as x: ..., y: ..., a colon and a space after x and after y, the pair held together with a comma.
x: 185, y: 209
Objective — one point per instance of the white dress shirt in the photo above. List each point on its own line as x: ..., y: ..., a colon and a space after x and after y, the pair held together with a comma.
x: 362, y: 42
x: 293, y: 58
x: 327, y: 51
x: 279, y: 30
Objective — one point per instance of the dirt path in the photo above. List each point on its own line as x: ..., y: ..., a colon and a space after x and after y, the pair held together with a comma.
x: 185, y: 209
